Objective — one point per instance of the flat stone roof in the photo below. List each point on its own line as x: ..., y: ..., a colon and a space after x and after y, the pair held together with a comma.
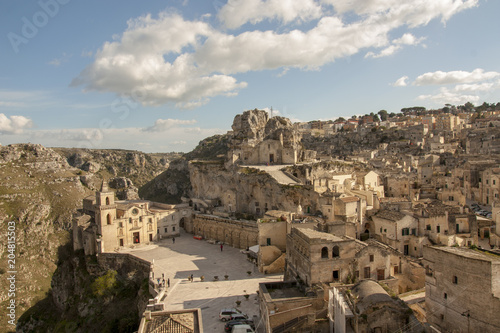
x: 469, y: 253
x: 313, y: 234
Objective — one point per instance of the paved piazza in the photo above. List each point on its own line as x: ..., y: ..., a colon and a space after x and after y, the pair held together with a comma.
x: 198, y: 257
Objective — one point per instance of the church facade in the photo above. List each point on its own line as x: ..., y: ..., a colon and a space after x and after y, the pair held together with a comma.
x: 123, y: 223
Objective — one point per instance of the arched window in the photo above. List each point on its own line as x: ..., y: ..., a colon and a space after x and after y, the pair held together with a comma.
x: 107, y: 201
x: 324, y: 252
x: 335, y: 251
x: 108, y: 218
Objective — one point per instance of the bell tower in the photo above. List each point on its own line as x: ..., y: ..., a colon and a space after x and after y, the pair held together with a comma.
x: 105, y: 207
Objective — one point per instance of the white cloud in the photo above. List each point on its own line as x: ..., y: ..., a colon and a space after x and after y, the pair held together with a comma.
x: 14, y: 124
x: 172, y: 60
x: 401, y: 82
x: 135, y: 65
x: 454, y: 77
x: 397, y: 44
x: 239, y: 12
x: 410, y: 12
x: 58, y: 61
x: 408, y: 39
x: 475, y: 87
x: 446, y: 96
x: 165, y: 124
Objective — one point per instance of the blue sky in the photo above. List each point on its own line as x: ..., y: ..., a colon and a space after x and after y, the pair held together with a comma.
x: 160, y: 76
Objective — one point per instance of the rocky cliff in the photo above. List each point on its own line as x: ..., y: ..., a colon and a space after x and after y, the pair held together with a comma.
x: 40, y: 189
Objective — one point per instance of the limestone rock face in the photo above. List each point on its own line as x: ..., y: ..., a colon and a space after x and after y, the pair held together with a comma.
x: 91, y: 166
x: 250, y: 125
x: 120, y: 182
x: 125, y: 188
x: 281, y: 128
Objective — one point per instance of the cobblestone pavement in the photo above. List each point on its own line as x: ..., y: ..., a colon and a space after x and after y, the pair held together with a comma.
x: 177, y: 261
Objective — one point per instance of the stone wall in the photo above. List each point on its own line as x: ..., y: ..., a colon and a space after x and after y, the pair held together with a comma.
x: 461, y: 289
x: 237, y: 233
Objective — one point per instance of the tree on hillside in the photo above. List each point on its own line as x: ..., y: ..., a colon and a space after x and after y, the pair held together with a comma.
x: 383, y: 115
x: 468, y: 106
x: 376, y: 118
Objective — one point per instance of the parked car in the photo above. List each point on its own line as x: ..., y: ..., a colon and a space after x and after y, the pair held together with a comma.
x: 489, y: 216
x: 225, y: 314
x: 229, y: 325
x: 242, y: 328
x: 238, y: 316
x: 485, y: 212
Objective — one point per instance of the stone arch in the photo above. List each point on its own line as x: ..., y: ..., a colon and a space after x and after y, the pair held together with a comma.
x: 335, y: 251
x: 324, y: 253
x: 181, y: 222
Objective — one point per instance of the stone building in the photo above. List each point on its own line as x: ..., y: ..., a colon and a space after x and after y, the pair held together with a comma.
x: 489, y: 186
x: 398, y: 229
x: 367, y: 307
x: 316, y: 257
x: 258, y: 139
x: 118, y: 223
x: 446, y: 225
x: 462, y: 289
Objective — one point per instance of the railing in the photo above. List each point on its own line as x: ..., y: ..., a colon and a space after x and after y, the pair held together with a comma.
x: 289, y: 324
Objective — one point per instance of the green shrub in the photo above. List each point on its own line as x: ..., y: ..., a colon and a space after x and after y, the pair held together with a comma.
x: 106, y: 284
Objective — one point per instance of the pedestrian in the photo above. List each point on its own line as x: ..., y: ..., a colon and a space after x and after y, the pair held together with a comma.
x: 173, y: 240
x: 163, y: 283
x: 158, y: 279
x: 163, y: 276
x: 168, y: 282
x: 191, y: 277
x: 221, y: 247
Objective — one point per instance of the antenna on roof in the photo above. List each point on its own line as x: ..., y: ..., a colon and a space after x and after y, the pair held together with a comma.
x: 271, y: 111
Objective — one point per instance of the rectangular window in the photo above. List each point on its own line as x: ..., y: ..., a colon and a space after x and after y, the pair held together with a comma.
x: 405, y: 231
x: 438, y: 229
x: 268, y: 241
x: 166, y: 230
x: 414, y: 231
x: 150, y: 220
x: 335, y: 275
x: 173, y: 228
x: 120, y: 224
x: 366, y: 273
x: 140, y: 218
x: 371, y: 257
x: 455, y: 279
x: 428, y: 227
x: 445, y: 296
